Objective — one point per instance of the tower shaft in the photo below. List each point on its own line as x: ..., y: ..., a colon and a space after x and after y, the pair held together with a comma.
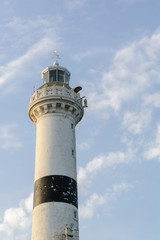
x: 55, y: 109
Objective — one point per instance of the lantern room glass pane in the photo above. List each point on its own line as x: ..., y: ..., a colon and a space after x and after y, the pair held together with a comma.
x: 66, y: 78
x: 60, y: 76
x: 52, y: 77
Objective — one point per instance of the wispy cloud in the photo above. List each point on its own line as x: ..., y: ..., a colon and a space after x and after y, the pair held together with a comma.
x: 16, y: 222
x: 72, y: 4
x: 37, y: 50
x: 135, y: 122
x: 85, y: 145
x: 132, y: 73
x: 95, y: 201
x: 8, y: 138
x: 152, y: 99
x: 35, y: 38
x: 154, y: 147
x: 30, y: 31
x: 87, y: 173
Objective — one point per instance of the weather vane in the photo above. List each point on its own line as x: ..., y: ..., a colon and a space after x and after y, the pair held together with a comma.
x: 56, y: 57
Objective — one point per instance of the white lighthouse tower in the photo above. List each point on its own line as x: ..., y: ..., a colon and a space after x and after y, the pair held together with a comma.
x: 55, y: 108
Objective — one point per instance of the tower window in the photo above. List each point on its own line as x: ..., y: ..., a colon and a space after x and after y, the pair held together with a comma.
x: 72, y: 125
x: 75, y: 214
x: 72, y: 152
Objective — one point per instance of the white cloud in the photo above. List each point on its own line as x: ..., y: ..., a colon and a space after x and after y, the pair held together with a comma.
x: 35, y: 38
x: 16, y: 218
x: 133, y: 72
x: 8, y: 138
x: 16, y: 223
x: 84, y: 145
x: 30, y: 31
x: 152, y: 99
x: 27, y: 203
x: 136, y: 122
x: 92, y: 205
x: 154, y: 150
x: 88, y: 210
x: 86, y: 174
x: 72, y: 4
x: 37, y: 50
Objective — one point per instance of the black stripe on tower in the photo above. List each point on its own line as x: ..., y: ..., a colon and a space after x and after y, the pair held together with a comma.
x: 55, y: 188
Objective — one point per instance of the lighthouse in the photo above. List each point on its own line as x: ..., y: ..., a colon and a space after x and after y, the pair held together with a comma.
x: 55, y: 108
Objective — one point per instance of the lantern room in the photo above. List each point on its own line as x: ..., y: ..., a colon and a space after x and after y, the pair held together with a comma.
x: 56, y: 74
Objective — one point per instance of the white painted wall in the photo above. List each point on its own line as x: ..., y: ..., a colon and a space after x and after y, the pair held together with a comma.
x: 55, y: 141
x: 50, y: 219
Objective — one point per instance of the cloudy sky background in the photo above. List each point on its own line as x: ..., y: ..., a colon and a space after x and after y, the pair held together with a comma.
x: 112, y: 48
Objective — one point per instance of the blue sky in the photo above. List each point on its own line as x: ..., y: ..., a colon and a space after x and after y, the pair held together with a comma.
x: 112, y: 49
